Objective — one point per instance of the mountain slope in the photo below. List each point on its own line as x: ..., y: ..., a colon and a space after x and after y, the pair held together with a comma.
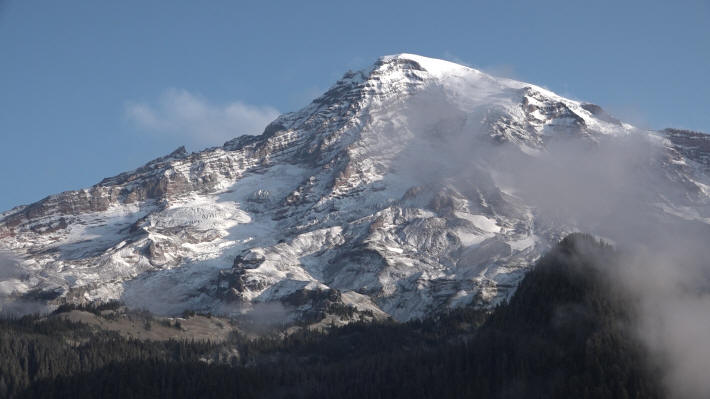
x: 406, y: 188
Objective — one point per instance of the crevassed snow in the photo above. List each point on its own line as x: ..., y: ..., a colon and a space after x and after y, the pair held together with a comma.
x: 482, y: 222
x: 522, y: 244
x: 467, y: 238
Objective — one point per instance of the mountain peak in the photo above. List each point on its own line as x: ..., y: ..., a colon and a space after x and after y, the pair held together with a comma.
x: 433, y: 66
x: 399, y: 69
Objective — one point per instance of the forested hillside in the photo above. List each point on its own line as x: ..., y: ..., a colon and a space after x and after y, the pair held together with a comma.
x: 564, y: 334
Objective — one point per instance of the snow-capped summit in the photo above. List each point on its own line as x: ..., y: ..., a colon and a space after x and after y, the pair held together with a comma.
x: 405, y: 189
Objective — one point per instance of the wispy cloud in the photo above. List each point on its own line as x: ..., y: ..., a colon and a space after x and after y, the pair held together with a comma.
x: 450, y: 56
x: 498, y: 70
x: 195, y: 120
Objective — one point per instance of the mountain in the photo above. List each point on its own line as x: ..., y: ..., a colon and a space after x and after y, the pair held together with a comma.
x: 407, y: 188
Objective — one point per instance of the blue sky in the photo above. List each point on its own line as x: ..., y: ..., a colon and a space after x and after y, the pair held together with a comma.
x: 92, y: 88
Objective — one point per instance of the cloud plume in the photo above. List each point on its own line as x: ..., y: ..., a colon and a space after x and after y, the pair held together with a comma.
x: 628, y: 188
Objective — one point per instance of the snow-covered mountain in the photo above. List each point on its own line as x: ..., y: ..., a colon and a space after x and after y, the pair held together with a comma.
x: 410, y: 187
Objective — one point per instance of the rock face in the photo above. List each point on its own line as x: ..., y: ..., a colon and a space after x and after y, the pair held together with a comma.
x: 386, y: 195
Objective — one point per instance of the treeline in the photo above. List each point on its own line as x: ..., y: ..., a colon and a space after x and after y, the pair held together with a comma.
x: 33, y: 349
x: 563, y: 334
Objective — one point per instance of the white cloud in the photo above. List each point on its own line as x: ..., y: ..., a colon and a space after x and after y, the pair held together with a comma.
x: 192, y: 118
x: 498, y: 70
